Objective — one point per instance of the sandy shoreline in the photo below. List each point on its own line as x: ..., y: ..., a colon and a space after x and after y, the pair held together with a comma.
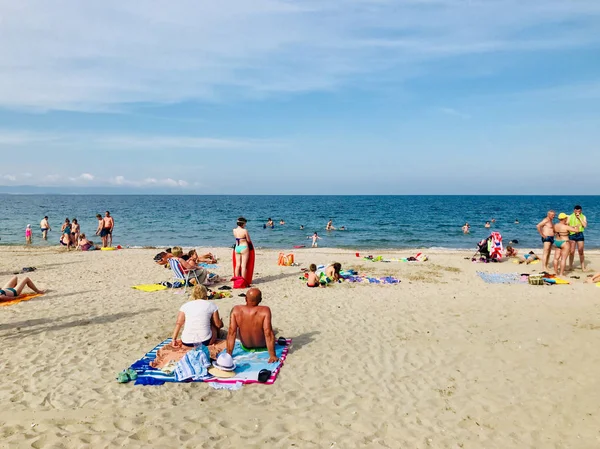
x: 442, y: 360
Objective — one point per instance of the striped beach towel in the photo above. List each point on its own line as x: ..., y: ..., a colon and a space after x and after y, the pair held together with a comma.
x: 248, y: 365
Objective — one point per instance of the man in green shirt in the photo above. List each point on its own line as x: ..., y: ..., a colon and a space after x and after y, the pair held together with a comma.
x: 576, y: 239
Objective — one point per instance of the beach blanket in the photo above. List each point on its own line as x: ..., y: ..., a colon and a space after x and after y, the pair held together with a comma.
x: 211, y: 266
x: 10, y: 302
x: 249, y: 364
x: 149, y: 287
x: 502, y: 278
x: 597, y: 284
x: 418, y: 258
x: 373, y: 280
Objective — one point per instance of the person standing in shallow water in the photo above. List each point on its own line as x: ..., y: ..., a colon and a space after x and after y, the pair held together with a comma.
x: 45, y: 227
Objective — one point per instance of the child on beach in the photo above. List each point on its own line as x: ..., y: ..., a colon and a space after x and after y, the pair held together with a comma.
x: 313, y: 279
x: 315, y: 237
x: 28, y: 234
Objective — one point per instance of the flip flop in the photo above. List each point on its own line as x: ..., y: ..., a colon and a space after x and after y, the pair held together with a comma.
x: 132, y: 374
x: 123, y: 377
x: 574, y: 277
x: 224, y: 287
x: 243, y: 295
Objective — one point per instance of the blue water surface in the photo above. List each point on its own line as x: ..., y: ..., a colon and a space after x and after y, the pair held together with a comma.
x: 372, y: 221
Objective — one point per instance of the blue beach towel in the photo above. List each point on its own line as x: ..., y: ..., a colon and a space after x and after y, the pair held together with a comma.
x: 248, y: 365
x: 501, y: 278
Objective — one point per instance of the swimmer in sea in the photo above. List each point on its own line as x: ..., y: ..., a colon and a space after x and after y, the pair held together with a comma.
x: 315, y: 238
x: 243, y: 244
x: 466, y: 228
x: 281, y: 222
x: 329, y: 226
x: 487, y: 224
x: 301, y: 227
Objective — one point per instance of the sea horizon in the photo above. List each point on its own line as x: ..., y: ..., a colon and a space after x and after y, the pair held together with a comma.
x: 372, y: 221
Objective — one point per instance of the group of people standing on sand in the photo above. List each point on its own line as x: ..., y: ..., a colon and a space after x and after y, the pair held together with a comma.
x: 71, y: 235
x: 565, y: 236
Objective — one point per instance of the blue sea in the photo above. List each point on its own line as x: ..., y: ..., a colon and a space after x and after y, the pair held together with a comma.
x: 372, y: 221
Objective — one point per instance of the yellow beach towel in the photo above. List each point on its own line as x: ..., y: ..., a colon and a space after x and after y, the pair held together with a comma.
x: 597, y: 284
x: 149, y: 287
x: 10, y: 302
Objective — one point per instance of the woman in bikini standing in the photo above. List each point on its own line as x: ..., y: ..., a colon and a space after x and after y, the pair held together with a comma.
x: 561, y: 241
x: 243, y: 244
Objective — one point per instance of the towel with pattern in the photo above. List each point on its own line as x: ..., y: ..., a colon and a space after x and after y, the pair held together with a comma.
x: 249, y: 364
x: 502, y: 278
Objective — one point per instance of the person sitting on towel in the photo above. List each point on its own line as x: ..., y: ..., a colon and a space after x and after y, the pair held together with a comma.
x: 333, y: 271
x: 251, y: 323
x: 200, y: 320
x: 14, y: 288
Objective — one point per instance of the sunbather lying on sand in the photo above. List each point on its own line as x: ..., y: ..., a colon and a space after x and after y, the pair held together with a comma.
x: 527, y: 258
x: 595, y: 278
x: 14, y: 288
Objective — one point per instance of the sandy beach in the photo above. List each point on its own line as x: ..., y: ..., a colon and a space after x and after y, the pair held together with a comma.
x: 442, y: 360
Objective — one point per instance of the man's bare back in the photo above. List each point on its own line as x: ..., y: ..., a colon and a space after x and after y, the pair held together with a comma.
x: 252, y: 324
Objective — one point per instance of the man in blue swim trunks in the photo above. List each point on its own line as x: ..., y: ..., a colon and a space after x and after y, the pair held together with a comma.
x: 576, y: 239
x: 45, y: 227
x: 546, y: 230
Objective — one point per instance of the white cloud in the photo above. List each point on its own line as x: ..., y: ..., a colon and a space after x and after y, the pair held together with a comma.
x: 454, y: 112
x: 121, y: 142
x: 164, y: 52
x: 11, y: 178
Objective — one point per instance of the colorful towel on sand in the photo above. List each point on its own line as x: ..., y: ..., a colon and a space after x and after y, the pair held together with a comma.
x: 10, y: 302
x: 149, y: 287
x: 249, y: 364
x: 211, y: 266
x: 373, y: 280
x: 502, y: 278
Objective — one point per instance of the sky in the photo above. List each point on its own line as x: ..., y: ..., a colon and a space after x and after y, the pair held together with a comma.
x: 301, y: 97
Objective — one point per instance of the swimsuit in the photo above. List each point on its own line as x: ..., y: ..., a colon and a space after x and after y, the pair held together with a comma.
x: 312, y: 286
x: 559, y: 243
x: 253, y: 349
x: 549, y: 239
x: 67, y: 230
x: 577, y: 237
x: 3, y: 292
x: 239, y: 249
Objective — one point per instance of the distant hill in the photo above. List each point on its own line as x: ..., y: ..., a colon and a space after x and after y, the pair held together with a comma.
x: 78, y: 190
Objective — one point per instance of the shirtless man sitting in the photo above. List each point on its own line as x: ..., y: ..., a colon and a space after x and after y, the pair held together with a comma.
x: 251, y: 323
x: 546, y: 230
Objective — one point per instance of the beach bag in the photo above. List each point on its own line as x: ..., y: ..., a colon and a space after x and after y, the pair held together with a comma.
x: 239, y: 282
x: 536, y: 280
x: 284, y: 260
